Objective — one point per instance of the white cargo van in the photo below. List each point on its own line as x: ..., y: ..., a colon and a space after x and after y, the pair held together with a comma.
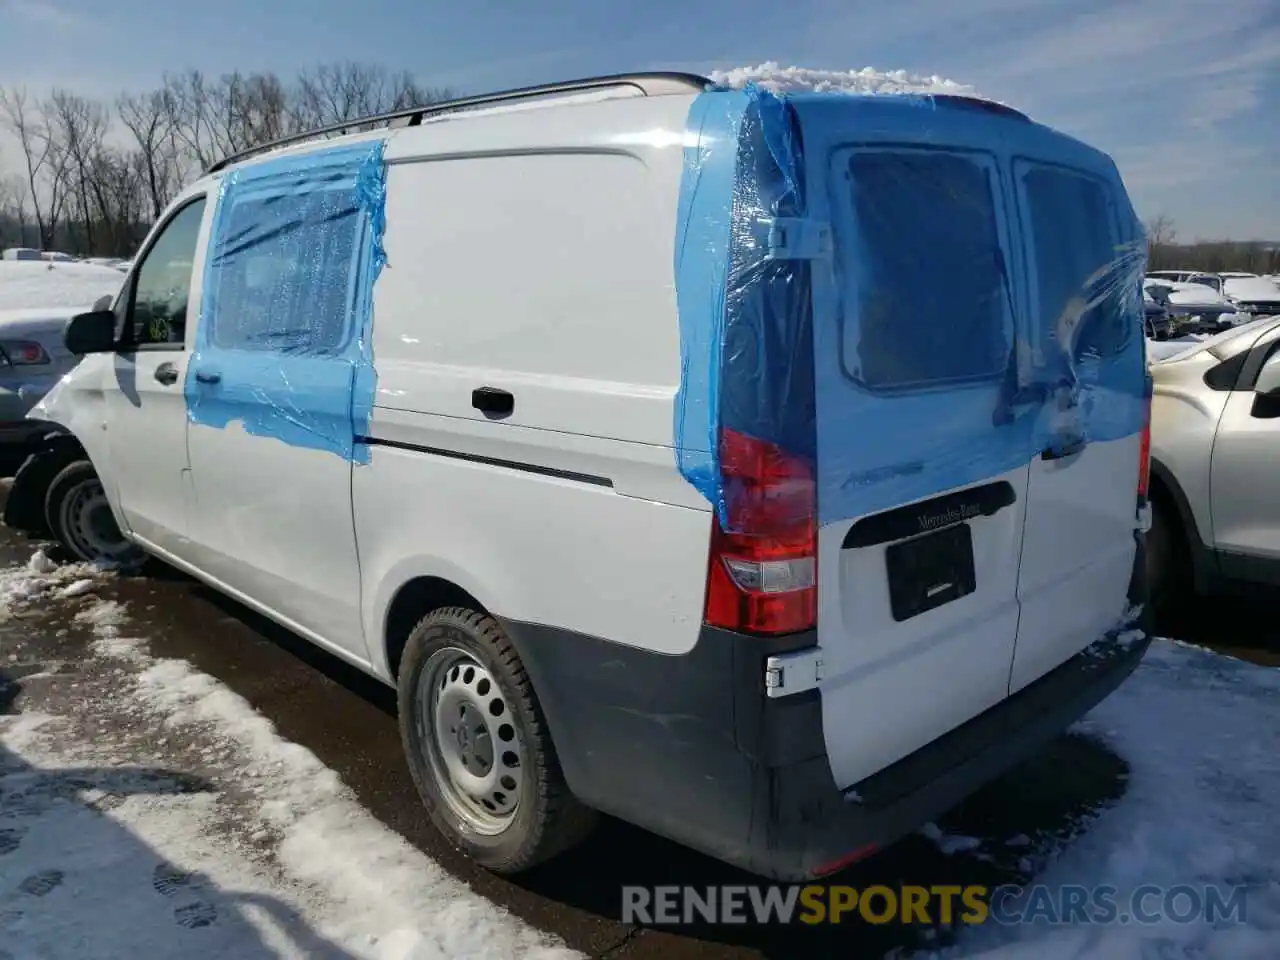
x: 769, y: 473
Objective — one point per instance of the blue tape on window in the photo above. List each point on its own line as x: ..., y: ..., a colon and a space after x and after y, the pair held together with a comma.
x: 284, y: 344
x: 906, y: 305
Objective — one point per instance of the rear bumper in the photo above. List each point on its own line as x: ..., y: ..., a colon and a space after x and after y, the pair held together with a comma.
x: 816, y: 830
x: 689, y: 746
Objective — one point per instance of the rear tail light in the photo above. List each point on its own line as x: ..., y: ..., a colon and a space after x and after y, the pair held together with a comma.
x: 762, y: 572
x: 20, y: 353
x: 1144, y: 454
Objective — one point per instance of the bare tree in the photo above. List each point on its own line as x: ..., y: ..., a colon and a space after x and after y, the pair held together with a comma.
x: 149, y: 119
x: 187, y: 97
x: 24, y: 122
x: 13, y: 219
x: 76, y: 128
x: 333, y: 93
x: 1161, y: 231
x: 92, y: 196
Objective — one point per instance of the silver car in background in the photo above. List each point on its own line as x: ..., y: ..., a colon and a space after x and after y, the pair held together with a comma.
x: 37, y: 301
x: 33, y: 358
x: 1215, y: 447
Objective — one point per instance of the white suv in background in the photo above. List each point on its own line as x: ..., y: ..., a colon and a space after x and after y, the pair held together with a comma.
x: 1215, y: 446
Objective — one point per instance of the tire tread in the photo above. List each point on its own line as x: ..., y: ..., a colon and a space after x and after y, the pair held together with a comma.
x: 564, y: 821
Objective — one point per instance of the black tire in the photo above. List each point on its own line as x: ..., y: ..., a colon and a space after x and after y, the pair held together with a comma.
x: 548, y: 819
x: 24, y: 508
x: 78, y: 479
x: 1169, y: 580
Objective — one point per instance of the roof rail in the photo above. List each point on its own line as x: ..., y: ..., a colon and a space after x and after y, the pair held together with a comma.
x: 649, y: 84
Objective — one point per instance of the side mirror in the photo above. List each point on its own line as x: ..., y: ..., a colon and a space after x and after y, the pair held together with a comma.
x: 104, y: 302
x: 1268, y: 383
x: 93, y: 332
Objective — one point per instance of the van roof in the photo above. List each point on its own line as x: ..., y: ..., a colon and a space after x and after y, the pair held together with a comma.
x: 589, y: 88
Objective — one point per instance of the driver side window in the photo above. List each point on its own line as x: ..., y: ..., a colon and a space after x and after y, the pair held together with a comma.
x: 157, y: 312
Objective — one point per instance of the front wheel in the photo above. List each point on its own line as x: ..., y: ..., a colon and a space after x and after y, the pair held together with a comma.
x: 79, y: 515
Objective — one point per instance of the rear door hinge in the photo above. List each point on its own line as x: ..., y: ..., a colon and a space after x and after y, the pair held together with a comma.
x: 789, y: 673
x: 798, y: 238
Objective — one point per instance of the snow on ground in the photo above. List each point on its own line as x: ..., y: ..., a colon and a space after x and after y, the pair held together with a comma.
x: 34, y: 284
x: 781, y: 79
x: 1201, y: 733
x: 158, y: 863
x: 105, y: 851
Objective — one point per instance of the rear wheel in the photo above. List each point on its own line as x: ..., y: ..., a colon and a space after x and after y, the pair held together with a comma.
x: 478, y: 747
x: 79, y: 515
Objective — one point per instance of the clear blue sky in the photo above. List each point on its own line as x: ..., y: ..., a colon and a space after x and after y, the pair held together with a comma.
x: 1184, y: 93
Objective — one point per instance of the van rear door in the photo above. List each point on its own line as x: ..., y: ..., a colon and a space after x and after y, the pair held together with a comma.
x: 1085, y: 309
x: 922, y: 466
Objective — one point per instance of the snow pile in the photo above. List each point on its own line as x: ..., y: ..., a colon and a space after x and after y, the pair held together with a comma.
x: 327, y: 839
x: 1201, y: 734
x: 302, y: 872
x: 779, y: 79
x: 34, y: 284
x: 41, y: 578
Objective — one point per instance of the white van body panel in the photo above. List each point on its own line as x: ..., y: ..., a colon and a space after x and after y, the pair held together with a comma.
x: 594, y: 373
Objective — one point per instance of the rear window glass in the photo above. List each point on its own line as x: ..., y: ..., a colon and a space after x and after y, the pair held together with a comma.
x: 1076, y: 260
x: 932, y: 301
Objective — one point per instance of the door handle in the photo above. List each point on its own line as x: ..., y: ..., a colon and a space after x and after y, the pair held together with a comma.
x: 208, y: 376
x: 492, y: 401
x: 1068, y: 449
x: 167, y: 374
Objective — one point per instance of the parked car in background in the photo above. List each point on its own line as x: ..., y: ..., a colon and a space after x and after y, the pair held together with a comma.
x: 1255, y: 296
x: 33, y: 358
x: 21, y: 253
x: 1156, y: 314
x: 777, y: 575
x: 1215, y: 447
x: 37, y: 300
x: 1196, y: 308
x: 1211, y: 280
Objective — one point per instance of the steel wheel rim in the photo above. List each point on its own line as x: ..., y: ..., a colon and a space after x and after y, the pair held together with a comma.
x: 86, y: 520
x: 472, y: 741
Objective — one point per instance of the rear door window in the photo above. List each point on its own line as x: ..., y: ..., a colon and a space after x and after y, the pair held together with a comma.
x: 1081, y: 278
x: 930, y: 289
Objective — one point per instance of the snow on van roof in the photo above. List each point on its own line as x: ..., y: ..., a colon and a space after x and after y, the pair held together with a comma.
x: 779, y: 79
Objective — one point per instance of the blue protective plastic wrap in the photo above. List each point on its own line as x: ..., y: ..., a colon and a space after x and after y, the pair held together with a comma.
x: 744, y: 323
x: 963, y: 311
x: 284, y: 342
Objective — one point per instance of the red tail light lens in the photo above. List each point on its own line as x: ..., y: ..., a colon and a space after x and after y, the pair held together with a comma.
x: 763, y: 569
x: 23, y: 352
x: 1144, y: 455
